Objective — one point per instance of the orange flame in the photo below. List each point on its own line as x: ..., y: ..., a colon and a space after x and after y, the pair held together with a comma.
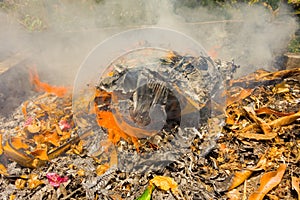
x: 106, y: 119
x: 45, y: 87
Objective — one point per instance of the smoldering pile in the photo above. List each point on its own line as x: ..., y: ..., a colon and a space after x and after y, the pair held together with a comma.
x: 115, y: 170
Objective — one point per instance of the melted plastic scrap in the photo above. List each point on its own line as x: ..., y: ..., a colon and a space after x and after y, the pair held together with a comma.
x: 159, y: 105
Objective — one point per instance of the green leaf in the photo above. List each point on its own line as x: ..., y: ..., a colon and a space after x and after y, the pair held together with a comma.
x: 147, y: 193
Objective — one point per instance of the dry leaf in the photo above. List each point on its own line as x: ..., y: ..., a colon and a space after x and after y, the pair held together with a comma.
x: 101, y: 169
x: 12, y: 197
x: 64, y: 135
x: 284, y: 120
x: 34, y: 128
x: 239, y: 178
x: 296, y: 185
x: 281, y: 88
x: 18, y: 143
x: 262, y: 76
x: 265, y: 110
x: 78, y: 148
x: 267, y: 182
x: 52, y: 138
x: 20, y: 183
x: 263, y: 125
x: 22, y: 159
x: 238, y: 97
x: 40, y: 153
x: 253, y: 135
x: 33, y: 181
x: 81, y: 172
x: 165, y: 183
x: 3, y: 170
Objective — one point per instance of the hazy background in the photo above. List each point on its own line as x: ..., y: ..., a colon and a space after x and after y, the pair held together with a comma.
x: 57, y: 35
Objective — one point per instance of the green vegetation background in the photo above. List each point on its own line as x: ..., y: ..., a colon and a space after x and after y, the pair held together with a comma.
x: 30, y: 15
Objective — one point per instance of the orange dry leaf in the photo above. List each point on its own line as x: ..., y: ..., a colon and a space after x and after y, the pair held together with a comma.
x: 40, y: 153
x: 47, y: 137
x: 45, y: 87
x: 266, y: 110
x: 22, y: 159
x: 18, y: 143
x: 239, y: 178
x: 33, y: 181
x: 165, y: 183
x: 20, y: 183
x: 267, y: 182
x: 3, y: 170
x: 52, y: 138
x: 296, y: 185
x: 237, y: 97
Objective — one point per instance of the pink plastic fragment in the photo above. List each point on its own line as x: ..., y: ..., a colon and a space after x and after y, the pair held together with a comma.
x: 55, y: 180
x: 28, y: 121
x: 64, y: 125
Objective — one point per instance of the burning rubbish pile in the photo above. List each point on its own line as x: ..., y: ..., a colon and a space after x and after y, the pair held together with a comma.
x: 156, y: 106
x: 152, y: 137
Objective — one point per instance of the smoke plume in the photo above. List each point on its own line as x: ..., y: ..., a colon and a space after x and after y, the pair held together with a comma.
x: 57, y: 35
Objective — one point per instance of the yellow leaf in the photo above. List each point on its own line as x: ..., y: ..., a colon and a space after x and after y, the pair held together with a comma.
x: 20, y: 183
x: 101, y: 169
x: 267, y: 182
x: 33, y: 181
x: 81, y: 172
x: 165, y: 183
x: 281, y: 88
x: 3, y: 170
x: 12, y: 197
